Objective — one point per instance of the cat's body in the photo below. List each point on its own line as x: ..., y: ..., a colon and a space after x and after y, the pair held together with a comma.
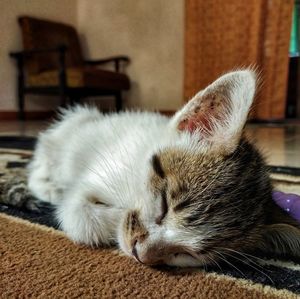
x: 172, y: 191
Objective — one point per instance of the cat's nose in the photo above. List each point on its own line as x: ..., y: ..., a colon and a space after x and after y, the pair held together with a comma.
x: 149, y: 256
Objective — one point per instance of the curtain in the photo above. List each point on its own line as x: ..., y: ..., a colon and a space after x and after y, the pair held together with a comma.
x: 221, y: 36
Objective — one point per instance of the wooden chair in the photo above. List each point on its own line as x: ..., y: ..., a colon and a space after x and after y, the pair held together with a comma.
x: 52, y: 64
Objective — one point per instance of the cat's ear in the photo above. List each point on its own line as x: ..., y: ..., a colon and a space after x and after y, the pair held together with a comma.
x: 219, y: 112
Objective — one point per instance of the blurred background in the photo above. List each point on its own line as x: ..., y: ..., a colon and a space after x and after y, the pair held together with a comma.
x: 175, y: 48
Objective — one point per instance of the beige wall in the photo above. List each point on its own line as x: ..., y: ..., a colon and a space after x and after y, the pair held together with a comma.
x: 150, y: 32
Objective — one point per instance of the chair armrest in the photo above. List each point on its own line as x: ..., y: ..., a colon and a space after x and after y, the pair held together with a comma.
x: 115, y: 59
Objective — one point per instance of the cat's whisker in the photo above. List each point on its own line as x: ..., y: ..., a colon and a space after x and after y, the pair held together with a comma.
x: 249, y: 264
x: 221, y: 256
x: 214, y: 262
x: 246, y: 255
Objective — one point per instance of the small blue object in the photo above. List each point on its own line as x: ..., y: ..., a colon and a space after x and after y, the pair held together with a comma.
x: 288, y: 202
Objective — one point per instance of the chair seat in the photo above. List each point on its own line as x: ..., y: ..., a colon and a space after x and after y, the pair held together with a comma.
x: 78, y: 77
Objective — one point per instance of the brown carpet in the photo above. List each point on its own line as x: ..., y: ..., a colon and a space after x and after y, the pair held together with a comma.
x: 40, y: 262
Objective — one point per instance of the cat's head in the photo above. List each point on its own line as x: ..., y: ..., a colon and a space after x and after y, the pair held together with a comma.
x: 207, y: 195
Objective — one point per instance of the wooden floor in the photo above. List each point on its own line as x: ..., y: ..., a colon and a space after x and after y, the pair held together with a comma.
x: 280, y: 144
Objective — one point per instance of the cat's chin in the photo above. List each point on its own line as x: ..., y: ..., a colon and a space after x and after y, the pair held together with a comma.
x: 184, y: 260
x: 181, y: 260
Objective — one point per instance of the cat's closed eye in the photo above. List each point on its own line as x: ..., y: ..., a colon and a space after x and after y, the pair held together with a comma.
x: 164, y: 207
x: 157, y: 167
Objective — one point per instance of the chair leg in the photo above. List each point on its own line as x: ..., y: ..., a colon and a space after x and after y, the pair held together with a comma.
x: 21, y: 114
x: 118, y: 101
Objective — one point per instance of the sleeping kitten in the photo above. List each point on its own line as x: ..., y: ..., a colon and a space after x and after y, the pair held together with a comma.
x: 176, y: 191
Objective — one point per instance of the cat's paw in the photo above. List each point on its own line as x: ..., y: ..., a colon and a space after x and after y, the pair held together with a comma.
x: 16, y: 195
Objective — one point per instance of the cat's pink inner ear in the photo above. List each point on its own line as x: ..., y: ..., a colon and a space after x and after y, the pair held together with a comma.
x: 193, y: 123
x: 204, y: 113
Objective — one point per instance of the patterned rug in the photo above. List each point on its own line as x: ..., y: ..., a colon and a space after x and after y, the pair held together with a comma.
x: 38, y: 261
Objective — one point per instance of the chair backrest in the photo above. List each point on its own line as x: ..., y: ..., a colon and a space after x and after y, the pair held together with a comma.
x: 41, y: 34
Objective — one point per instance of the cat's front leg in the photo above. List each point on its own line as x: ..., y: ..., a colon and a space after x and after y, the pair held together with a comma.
x: 86, y: 219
